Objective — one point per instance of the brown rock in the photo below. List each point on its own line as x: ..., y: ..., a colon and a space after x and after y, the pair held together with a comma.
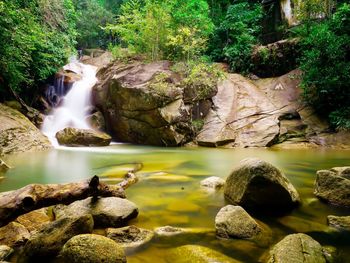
x: 82, y: 137
x: 34, y: 220
x: 13, y: 235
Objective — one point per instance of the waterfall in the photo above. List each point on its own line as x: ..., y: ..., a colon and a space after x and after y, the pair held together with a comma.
x: 75, y: 106
x: 287, y: 11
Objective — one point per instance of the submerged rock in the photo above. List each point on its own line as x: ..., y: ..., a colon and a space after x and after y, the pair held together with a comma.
x: 18, y: 134
x: 256, y: 184
x: 13, y: 235
x: 82, y: 137
x: 130, y: 236
x: 340, y: 222
x: 90, y: 248
x: 213, y: 182
x: 234, y: 221
x: 5, y: 252
x: 170, y: 231
x: 297, y: 248
x: 50, y: 239
x: 107, y: 212
x: 333, y: 186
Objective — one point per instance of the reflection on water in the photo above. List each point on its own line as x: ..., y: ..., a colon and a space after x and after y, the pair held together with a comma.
x: 169, y: 193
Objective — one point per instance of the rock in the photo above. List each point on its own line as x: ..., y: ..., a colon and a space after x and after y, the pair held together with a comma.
x: 99, y: 61
x: 13, y: 235
x: 34, y: 220
x: 3, y: 166
x: 130, y: 237
x: 170, y: 231
x: 5, y: 252
x: 50, y: 239
x: 107, y: 212
x: 195, y: 253
x: 18, y: 134
x: 82, y: 137
x: 333, y: 186
x: 256, y: 184
x: 234, y: 221
x: 213, y: 182
x: 90, y: 248
x: 97, y: 121
x: 340, y: 222
x: 297, y: 248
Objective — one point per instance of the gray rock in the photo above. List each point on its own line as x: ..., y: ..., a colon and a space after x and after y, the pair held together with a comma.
x: 50, y: 239
x: 13, y: 234
x: 333, y: 186
x: 107, y: 212
x: 130, y: 237
x: 82, y: 137
x: 297, y: 248
x: 256, y: 184
x: 5, y: 252
x: 341, y: 222
x: 234, y: 221
x: 90, y: 248
x: 213, y: 182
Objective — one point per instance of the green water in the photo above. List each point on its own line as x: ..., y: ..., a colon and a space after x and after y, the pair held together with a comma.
x: 169, y: 193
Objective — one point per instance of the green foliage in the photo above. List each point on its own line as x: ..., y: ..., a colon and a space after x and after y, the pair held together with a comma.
x: 235, y: 37
x: 326, y: 66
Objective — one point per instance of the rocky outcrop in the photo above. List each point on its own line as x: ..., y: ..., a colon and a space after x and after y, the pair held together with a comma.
x: 340, y: 222
x: 50, y: 239
x: 333, y: 186
x: 5, y: 252
x: 256, y: 184
x: 297, y: 248
x: 234, y: 221
x: 90, y: 248
x: 107, y: 212
x: 82, y: 137
x: 18, y: 134
x: 213, y: 182
x: 13, y: 235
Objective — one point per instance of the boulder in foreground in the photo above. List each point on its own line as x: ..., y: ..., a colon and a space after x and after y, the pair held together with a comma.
x: 82, y: 137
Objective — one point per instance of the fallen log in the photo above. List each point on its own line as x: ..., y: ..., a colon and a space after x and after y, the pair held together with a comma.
x: 35, y: 196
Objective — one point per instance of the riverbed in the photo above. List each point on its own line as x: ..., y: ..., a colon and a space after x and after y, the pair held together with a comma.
x: 169, y: 191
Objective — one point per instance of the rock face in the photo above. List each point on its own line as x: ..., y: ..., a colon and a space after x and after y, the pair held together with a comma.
x: 82, y: 137
x: 333, y: 186
x: 213, y: 182
x: 13, y: 235
x: 107, y: 212
x: 256, y: 184
x: 130, y: 236
x: 234, y: 221
x: 50, y: 239
x: 297, y: 248
x: 5, y: 252
x: 146, y: 104
x: 18, y: 134
x: 341, y: 222
x: 90, y: 248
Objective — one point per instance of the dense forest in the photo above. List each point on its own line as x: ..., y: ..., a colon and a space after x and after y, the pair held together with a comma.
x: 38, y: 36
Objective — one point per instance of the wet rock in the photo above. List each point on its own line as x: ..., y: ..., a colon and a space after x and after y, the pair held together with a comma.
x: 18, y: 134
x: 50, y: 239
x: 34, y: 220
x: 97, y: 121
x: 340, y: 222
x: 90, y: 248
x: 234, y: 221
x: 194, y: 253
x: 13, y: 235
x: 130, y: 237
x: 107, y: 212
x: 297, y: 248
x: 5, y: 252
x: 256, y: 184
x: 82, y: 137
x: 170, y: 231
x: 213, y: 182
x: 333, y: 186
x: 3, y: 166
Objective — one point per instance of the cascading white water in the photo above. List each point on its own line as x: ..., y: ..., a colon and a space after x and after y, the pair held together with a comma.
x: 75, y: 105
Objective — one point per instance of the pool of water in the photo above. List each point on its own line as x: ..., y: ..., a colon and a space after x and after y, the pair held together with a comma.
x: 169, y: 191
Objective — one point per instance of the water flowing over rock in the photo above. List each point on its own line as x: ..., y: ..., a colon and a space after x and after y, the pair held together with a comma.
x: 256, y: 184
x: 90, y: 248
x: 297, y: 248
x: 18, y: 134
x: 333, y: 186
x: 82, y: 137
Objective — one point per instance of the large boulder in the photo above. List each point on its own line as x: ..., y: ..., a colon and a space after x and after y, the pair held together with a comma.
x: 234, y: 221
x: 18, y: 134
x: 333, y: 186
x: 340, y: 222
x: 256, y: 184
x: 82, y: 137
x: 50, y: 239
x: 297, y: 248
x: 90, y: 248
x: 107, y: 212
x: 13, y: 235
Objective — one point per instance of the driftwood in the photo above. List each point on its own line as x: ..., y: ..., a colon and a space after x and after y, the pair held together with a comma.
x: 35, y: 196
